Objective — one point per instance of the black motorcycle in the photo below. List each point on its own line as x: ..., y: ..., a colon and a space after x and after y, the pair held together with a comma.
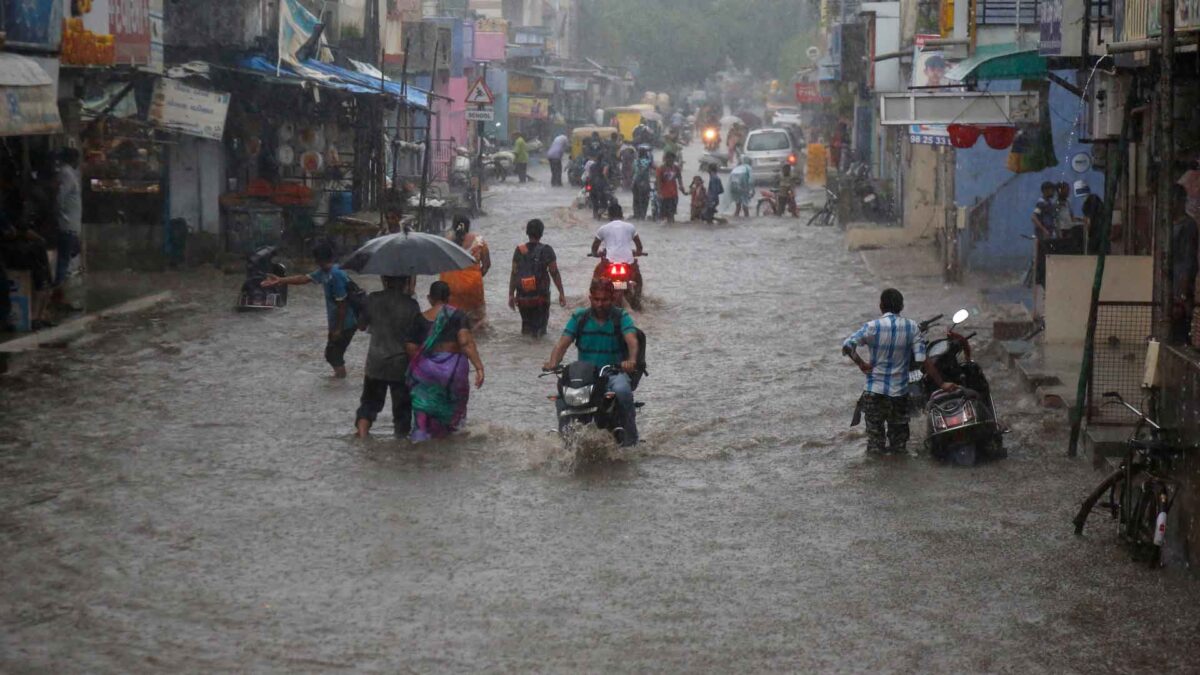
x: 585, y: 399
x: 252, y: 295
x: 962, y: 426
x: 575, y: 171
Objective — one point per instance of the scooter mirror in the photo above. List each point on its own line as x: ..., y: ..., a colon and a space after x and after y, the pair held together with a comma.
x: 961, y: 316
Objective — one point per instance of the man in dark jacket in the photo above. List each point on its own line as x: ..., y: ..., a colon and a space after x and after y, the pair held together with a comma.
x: 389, y: 319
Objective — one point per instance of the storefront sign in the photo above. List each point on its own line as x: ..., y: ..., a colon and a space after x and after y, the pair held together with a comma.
x: 129, y: 24
x: 1050, y: 13
x: 574, y: 84
x: 929, y: 134
x: 530, y: 107
x: 809, y: 92
x: 33, y: 24
x: 188, y: 110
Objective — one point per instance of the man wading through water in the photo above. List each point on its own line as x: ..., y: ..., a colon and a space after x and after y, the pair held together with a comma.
x: 534, y: 265
x: 894, y: 343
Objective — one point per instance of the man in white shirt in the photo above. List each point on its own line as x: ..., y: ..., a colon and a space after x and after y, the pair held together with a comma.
x: 69, y: 215
x: 618, y: 241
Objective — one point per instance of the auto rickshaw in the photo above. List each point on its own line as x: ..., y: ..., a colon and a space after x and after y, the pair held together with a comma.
x: 580, y: 135
x: 627, y: 119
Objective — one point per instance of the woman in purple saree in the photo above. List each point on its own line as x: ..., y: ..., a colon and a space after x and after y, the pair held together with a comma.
x: 441, y: 352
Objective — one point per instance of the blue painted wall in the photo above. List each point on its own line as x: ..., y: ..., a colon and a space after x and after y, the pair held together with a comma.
x: 980, y: 171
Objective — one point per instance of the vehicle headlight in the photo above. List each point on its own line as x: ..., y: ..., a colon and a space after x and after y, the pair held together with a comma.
x: 577, y: 397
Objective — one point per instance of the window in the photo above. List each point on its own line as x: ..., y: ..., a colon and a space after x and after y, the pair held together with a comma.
x: 772, y: 140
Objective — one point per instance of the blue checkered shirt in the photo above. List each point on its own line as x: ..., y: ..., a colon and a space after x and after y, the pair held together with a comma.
x: 894, y: 342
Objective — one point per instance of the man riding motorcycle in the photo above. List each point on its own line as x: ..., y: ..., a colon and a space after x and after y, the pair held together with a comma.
x: 602, y: 334
x: 618, y: 242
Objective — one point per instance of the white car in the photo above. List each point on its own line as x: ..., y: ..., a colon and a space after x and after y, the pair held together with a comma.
x: 786, y: 117
x: 768, y: 150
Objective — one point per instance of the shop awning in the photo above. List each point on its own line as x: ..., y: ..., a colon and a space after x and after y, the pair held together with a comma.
x: 1000, y: 62
x: 329, y: 76
x: 28, y: 98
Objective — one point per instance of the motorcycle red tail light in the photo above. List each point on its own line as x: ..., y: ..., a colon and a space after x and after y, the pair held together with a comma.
x: 616, y: 270
x: 791, y: 159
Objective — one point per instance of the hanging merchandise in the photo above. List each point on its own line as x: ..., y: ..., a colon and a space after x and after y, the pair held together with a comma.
x: 963, y: 135
x: 1033, y: 147
x: 999, y: 138
x: 311, y: 162
x: 285, y: 155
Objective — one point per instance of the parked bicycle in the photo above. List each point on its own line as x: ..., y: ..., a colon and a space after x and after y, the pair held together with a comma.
x: 1140, y: 493
x: 827, y: 214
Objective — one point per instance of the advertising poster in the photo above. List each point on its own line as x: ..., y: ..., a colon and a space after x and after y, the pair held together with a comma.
x: 33, y: 24
x: 530, y: 107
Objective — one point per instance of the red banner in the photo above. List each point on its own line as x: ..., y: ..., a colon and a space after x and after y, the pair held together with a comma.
x: 129, y: 24
x: 809, y: 92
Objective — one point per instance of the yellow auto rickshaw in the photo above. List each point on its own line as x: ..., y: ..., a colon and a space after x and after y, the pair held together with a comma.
x: 627, y: 119
x: 580, y: 135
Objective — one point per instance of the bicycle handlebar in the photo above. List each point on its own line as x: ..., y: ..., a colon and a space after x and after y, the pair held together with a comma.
x: 1121, y: 400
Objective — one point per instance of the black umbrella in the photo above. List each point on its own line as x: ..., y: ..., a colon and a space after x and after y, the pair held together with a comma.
x: 408, y: 254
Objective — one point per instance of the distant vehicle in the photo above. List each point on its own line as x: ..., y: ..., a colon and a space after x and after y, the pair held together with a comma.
x: 785, y: 117
x: 768, y: 150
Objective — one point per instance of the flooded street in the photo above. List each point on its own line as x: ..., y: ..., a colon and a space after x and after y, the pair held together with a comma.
x: 182, y: 492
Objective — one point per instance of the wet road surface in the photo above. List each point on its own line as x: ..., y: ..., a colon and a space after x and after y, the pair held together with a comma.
x: 182, y: 492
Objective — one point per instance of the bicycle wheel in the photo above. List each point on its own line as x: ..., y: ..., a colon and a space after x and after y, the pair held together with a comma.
x: 817, y: 218
x: 1157, y: 502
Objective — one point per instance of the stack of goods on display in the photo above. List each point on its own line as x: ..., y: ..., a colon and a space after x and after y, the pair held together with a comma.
x: 82, y: 47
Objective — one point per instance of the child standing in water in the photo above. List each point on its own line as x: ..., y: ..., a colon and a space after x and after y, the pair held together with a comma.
x: 699, y: 198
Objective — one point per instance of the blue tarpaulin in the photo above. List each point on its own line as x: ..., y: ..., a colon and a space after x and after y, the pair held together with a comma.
x: 336, y: 77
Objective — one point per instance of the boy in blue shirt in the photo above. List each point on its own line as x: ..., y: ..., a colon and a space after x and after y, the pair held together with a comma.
x: 342, y: 321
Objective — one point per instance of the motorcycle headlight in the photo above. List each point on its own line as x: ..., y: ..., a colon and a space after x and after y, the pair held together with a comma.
x: 577, y: 397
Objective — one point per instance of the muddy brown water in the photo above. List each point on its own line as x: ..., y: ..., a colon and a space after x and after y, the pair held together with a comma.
x: 181, y: 492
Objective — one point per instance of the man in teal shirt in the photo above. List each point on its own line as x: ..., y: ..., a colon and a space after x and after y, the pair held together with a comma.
x: 599, y: 331
x: 521, y: 157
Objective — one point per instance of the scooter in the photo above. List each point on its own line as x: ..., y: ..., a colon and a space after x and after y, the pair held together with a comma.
x: 626, y: 279
x: 252, y: 295
x: 962, y: 426
x: 585, y: 399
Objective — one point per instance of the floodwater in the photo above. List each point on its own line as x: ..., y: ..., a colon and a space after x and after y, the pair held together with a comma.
x: 181, y: 492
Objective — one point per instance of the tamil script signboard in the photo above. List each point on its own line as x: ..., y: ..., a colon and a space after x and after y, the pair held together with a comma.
x: 188, y: 110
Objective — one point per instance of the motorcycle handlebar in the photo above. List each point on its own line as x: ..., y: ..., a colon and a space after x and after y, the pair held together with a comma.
x: 924, y: 325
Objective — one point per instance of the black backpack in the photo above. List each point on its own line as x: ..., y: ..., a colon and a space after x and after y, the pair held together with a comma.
x: 532, y: 278
x: 641, y: 372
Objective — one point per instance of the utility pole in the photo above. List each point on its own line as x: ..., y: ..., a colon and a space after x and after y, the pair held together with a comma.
x: 437, y: 47
x: 1166, y: 168
x: 480, y: 126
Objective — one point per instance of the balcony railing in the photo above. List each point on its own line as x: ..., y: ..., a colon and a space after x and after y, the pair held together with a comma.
x: 1004, y: 12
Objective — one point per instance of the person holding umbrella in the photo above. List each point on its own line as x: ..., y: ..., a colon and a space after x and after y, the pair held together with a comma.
x: 389, y: 319
x: 342, y: 320
x: 439, y: 404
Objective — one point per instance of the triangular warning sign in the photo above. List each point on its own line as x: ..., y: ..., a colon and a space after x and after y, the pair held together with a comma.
x: 480, y: 94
